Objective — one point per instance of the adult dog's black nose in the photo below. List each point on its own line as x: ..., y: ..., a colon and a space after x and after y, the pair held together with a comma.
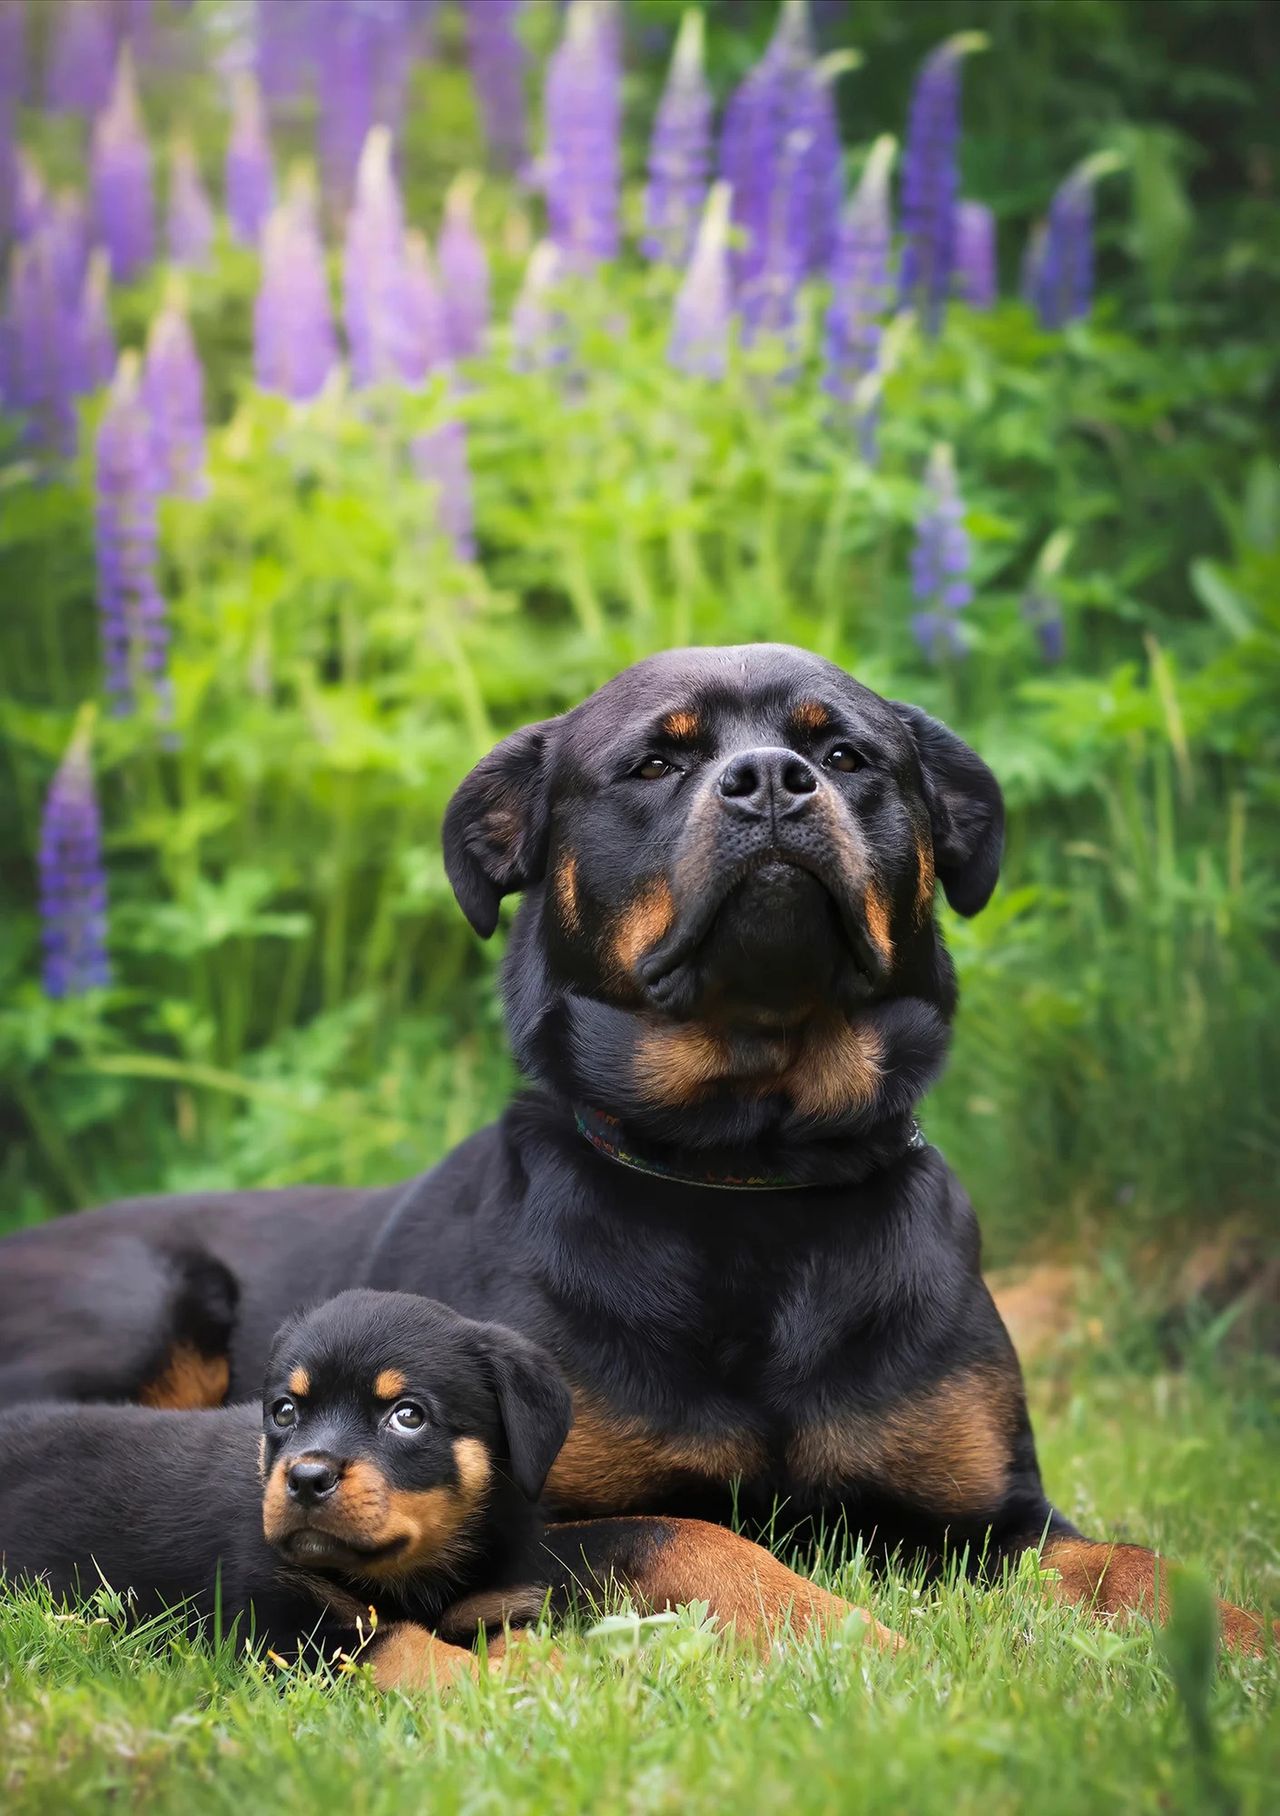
x: 765, y: 784
x: 312, y: 1479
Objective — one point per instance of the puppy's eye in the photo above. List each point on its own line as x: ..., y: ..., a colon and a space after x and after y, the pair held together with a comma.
x: 284, y: 1414
x: 843, y: 757
x: 408, y: 1416
x: 653, y: 769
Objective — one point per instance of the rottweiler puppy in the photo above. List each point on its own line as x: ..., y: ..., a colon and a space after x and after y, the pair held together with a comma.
x: 395, y: 1462
x: 728, y: 988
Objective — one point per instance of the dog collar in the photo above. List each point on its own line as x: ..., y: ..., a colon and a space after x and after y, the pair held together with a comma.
x: 607, y: 1137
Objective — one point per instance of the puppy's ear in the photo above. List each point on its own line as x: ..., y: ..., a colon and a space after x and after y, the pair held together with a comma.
x: 966, y: 811
x: 495, y: 827
x: 536, y: 1407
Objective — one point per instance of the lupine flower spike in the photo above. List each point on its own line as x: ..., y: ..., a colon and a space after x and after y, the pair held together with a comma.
x: 497, y: 59
x: 132, y: 617
x: 1041, y: 606
x: 426, y: 328
x: 464, y: 272
x: 931, y: 180
x: 940, y: 561
x: 1060, y: 277
x: 680, y: 152
x: 373, y: 269
x: 860, y: 295
x: 756, y: 123
x: 95, y: 341
x: 173, y: 391
x: 39, y: 348
x: 73, y: 880
x: 83, y: 50
x: 294, y: 344
x: 703, y: 311
x: 537, y: 326
x: 250, y: 176
x: 584, y: 111
x: 189, y: 222
x: 975, y: 267
x: 440, y: 458
x: 120, y: 175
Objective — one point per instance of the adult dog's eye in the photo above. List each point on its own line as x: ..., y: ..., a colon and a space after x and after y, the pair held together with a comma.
x: 653, y: 769
x: 843, y: 757
x: 408, y: 1416
x: 284, y: 1414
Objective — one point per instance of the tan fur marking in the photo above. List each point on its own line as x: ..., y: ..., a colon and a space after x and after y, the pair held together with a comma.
x: 612, y: 1464
x: 675, y: 1064
x: 810, y: 715
x: 489, y: 1608
x: 299, y: 1383
x: 925, y: 880
x: 640, y: 926
x: 948, y: 1450
x: 876, y: 911
x: 682, y: 726
x: 1128, y: 1579
x: 837, y: 1069
x: 746, y: 1588
x: 389, y: 1384
x: 188, y: 1380
x: 407, y: 1657
x: 826, y: 1067
x: 567, y: 893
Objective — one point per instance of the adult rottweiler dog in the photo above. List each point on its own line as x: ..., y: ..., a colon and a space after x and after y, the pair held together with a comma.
x: 729, y: 990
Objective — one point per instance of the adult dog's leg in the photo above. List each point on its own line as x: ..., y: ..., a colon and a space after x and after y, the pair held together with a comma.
x: 664, y: 1562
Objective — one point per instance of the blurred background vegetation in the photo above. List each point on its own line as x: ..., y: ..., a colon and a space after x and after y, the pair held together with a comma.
x: 296, y: 997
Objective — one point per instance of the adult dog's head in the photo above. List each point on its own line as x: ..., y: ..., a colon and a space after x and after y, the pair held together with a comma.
x: 729, y: 858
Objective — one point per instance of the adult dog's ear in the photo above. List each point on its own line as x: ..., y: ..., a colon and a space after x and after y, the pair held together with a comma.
x: 966, y: 811
x: 495, y: 827
x: 536, y: 1406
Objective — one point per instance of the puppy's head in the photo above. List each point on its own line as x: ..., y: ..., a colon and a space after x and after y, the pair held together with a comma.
x: 745, y: 838
x: 393, y: 1428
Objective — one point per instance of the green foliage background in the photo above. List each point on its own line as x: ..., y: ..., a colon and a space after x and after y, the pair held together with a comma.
x: 296, y: 995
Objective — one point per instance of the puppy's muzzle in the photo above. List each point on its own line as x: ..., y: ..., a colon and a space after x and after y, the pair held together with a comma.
x: 312, y: 1480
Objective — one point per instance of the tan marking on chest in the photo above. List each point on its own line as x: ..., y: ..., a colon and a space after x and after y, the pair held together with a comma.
x: 609, y: 1464
x: 829, y: 1067
x: 947, y: 1449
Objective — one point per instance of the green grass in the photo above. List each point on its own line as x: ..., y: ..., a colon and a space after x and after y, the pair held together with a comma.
x: 1001, y: 1703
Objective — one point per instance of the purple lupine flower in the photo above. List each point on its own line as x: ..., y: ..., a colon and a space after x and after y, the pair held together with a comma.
x: 931, y: 179
x: 426, y: 325
x: 31, y: 202
x: 940, y: 561
x: 584, y: 114
x: 173, y: 392
x: 294, y: 344
x: 67, y: 227
x: 120, y: 175
x: 756, y: 123
x: 132, y: 616
x: 464, y: 272
x: 975, y: 266
x: 73, y: 880
x: 860, y: 294
x: 537, y: 324
x: 679, y: 152
x: 285, y: 38
x: 363, y: 58
x: 8, y: 168
x: 138, y: 25
x: 39, y: 377
x: 373, y: 269
x: 703, y: 313
x: 1062, y: 283
x: 250, y: 175
x: 95, y: 341
x: 189, y: 222
x: 13, y: 49
x: 440, y: 458
x: 1043, y: 612
x: 497, y: 59
x: 82, y: 56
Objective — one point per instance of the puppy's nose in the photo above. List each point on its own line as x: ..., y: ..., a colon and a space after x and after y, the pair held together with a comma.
x: 760, y: 784
x: 312, y: 1479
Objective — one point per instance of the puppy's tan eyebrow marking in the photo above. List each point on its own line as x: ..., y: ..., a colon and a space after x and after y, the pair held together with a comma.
x: 810, y: 715
x: 682, y: 725
x: 389, y: 1384
x: 299, y: 1383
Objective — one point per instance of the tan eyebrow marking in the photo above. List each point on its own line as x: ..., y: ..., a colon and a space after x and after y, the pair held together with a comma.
x: 389, y: 1384
x: 681, y: 724
x: 299, y: 1382
x: 810, y: 715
